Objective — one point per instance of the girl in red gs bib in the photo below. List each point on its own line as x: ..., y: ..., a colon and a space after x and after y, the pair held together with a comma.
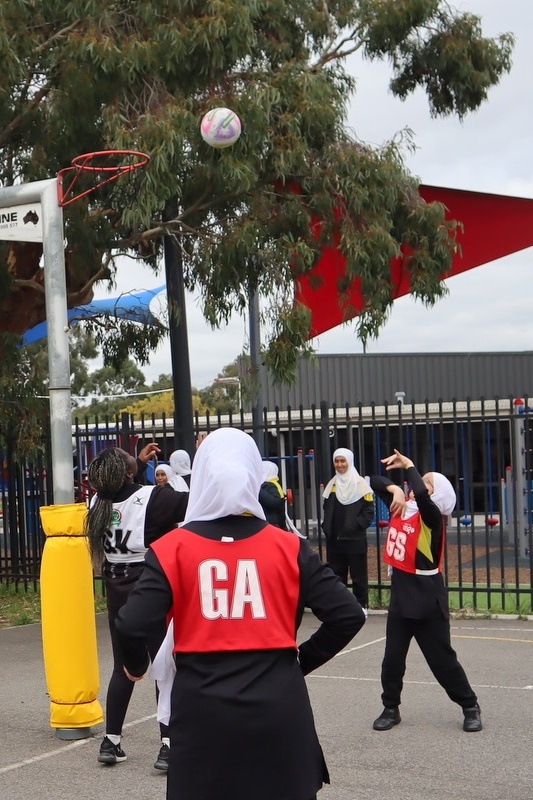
x: 419, y: 602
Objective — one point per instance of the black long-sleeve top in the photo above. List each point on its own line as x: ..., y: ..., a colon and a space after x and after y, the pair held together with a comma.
x: 273, y: 504
x: 246, y: 711
x: 346, y: 525
x: 417, y: 596
x: 320, y: 590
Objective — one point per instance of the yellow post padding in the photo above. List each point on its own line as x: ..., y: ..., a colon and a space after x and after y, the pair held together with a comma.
x: 68, y: 619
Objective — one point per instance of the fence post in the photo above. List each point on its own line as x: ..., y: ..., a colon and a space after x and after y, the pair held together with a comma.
x: 312, y: 480
x: 325, y: 455
x: 301, y: 485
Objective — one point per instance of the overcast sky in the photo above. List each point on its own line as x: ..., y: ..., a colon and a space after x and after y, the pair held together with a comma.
x: 488, y: 308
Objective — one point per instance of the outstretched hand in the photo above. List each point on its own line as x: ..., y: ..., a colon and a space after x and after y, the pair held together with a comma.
x: 397, y: 461
x: 149, y: 451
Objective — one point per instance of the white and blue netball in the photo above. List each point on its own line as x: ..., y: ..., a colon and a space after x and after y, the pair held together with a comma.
x: 220, y: 127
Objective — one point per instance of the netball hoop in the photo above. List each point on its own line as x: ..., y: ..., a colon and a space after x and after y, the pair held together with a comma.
x: 90, y: 171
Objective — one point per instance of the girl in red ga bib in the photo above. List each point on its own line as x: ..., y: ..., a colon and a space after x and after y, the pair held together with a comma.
x: 241, y: 722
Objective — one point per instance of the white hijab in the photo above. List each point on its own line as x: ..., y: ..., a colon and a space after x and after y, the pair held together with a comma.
x: 226, y: 477
x: 443, y: 496
x: 270, y: 471
x: 443, y: 493
x: 180, y: 462
x: 166, y: 469
x: 350, y: 486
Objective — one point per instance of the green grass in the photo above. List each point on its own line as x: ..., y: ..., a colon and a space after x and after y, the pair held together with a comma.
x: 480, y: 602
x: 378, y: 599
x: 493, y: 602
x: 20, y: 605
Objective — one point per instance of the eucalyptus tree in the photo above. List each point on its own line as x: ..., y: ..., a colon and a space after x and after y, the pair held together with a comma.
x: 93, y: 75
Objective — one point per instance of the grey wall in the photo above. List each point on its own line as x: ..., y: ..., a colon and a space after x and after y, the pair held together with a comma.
x: 368, y: 378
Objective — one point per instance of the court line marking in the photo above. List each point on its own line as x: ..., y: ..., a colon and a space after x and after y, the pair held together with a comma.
x: 491, y: 628
x: 414, y: 683
x: 359, y: 647
x: 454, y: 636
x: 74, y: 745
x: 492, y: 638
x: 66, y: 748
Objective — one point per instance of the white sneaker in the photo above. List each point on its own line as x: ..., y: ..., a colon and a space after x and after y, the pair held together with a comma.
x: 365, y: 612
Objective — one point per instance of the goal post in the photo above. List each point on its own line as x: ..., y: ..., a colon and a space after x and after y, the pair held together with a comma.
x: 45, y: 195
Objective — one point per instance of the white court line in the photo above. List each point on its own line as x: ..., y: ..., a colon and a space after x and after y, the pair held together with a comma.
x: 360, y: 647
x: 73, y: 745
x: 486, y: 628
x: 414, y: 683
x: 428, y: 683
x: 65, y: 749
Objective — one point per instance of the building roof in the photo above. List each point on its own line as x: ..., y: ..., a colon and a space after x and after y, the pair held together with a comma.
x: 383, y: 377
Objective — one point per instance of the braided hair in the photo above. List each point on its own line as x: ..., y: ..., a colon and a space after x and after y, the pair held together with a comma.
x: 107, y: 475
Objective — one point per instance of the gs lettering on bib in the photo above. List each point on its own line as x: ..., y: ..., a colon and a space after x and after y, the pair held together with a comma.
x: 238, y: 595
x: 400, y: 545
x: 405, y: 538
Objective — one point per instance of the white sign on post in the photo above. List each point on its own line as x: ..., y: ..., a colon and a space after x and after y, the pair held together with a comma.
x: 21, y: 223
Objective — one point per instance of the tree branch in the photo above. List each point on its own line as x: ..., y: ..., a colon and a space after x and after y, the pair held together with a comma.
x: 22, y: 283
x: 77, y: 297
x: 19, y: 121
x: 337, y: 52
x: 58, y: 35
x: 8, y: 130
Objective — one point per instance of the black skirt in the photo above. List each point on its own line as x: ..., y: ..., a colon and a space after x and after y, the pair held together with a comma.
x: 242, y: 727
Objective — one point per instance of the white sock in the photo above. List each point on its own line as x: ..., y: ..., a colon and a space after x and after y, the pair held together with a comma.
x: 113, y: 738
x: 165, y: 740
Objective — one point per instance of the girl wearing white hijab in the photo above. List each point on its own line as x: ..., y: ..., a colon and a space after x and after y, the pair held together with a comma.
x: 348, y: 511
x: 163, y: 475
x: 272, y: 496
x: 419, y: 601
x: 180, y: 464
x: 236, y: 588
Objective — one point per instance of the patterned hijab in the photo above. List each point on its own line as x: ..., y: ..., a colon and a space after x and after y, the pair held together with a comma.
x: 226, y: 477
x: 350, y: 486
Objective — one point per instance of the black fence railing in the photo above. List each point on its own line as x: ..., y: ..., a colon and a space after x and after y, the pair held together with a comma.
x: 484, y: 447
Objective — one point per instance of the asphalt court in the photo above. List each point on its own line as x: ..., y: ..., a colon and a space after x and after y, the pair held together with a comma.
x: 426, y: 757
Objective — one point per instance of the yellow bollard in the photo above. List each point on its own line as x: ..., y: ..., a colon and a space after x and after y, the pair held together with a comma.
x: 68, y: 623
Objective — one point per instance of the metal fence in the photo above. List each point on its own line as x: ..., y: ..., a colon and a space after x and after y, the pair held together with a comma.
x: 483, y: 446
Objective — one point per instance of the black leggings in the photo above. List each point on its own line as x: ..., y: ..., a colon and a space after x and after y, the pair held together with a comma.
x: 120, y: 687
x: 433, y: 638
x: 357, y: 565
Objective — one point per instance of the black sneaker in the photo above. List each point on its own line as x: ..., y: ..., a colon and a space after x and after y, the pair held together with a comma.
x: 163, y: 758
x: 472, y: 719
x: 110, y: 753
x: 388, y: 718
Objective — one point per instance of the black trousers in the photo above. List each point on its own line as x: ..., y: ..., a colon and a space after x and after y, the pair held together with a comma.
x: 120, y: 687
x: 433, y: 638
x: 354, y: 563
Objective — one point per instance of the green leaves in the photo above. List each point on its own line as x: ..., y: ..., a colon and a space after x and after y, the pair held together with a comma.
x: 86, y: 76
x: 436, y: 48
